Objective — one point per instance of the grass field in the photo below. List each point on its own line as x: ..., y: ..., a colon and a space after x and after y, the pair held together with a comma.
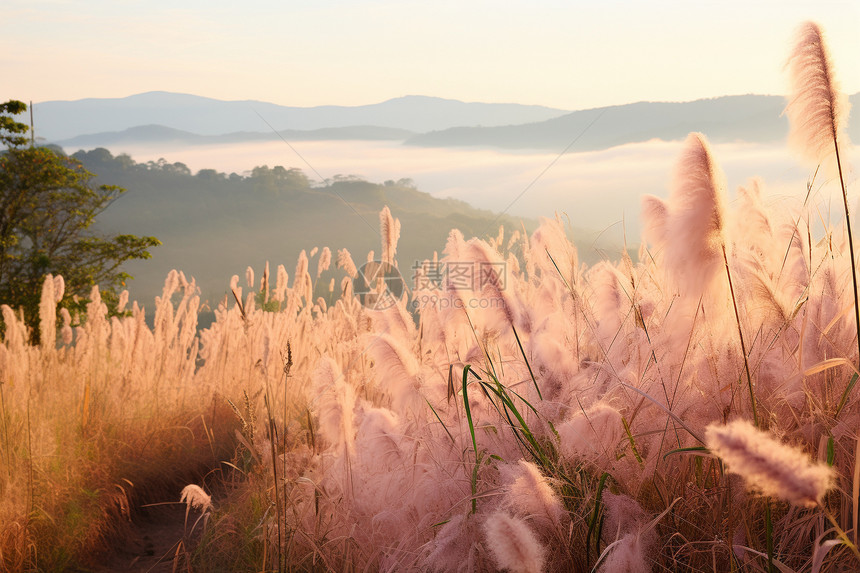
x: 693, y: 410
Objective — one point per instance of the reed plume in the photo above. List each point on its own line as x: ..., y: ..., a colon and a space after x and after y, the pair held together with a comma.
x: 609, y: 302
x: 390, y: 231
x: 769, y: 466
x: 66, y: 331
x: 264, y: 283
x: 194, y: 496
x: 301, y: 267
x: 655, y: 214
x: 281, y: 283
x: 818, y: 112
x: 591, y: 432
x: 48, y: 313
x: 628, y: 555
x: 122, y: 302
x: 532, y: 495
x: 490, y: 280
x: 345, y: 262
x: 399, y: 370
x: 696, y: 222
x: 452, y: 546
x: 513, y: 545
x: 697, y: 228
x: 324, y: 262
x: 334, y: 401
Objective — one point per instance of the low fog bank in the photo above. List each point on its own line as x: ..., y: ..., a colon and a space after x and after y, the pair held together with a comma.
x: 597, y: 190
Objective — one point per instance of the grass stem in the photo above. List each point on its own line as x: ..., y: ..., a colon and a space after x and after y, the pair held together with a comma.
x: 741, y: 338
x: 850, y: 245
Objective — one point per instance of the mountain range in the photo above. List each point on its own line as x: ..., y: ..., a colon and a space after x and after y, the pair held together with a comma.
x: 751, y: 118
x: 60, y: 120
x: 164, y: 134
x: 156, y: 117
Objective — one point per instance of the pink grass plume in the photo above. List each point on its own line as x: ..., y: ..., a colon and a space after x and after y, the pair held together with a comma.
x: 769, y: 466
x: 513, y: 545
x: 817, y: 110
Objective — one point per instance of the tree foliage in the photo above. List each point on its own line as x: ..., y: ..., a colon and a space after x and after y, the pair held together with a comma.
x: 48, y: 204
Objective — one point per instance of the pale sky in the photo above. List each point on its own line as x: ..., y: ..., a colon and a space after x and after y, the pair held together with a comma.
x: 567, y: 54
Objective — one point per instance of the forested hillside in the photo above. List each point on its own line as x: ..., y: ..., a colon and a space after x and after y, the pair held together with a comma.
x: 213, y: 225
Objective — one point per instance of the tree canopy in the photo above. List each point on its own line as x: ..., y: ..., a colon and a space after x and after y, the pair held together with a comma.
x: 48, y: 204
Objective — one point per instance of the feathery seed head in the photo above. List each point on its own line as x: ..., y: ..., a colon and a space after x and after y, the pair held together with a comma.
x: 390, y: 231
x: 324, y: 261
x: 696, y: 222
x: 194, y: 496
x: 345, y: 262
x: 513, y: 545
x: 768, y: 465
x: 816, y: 110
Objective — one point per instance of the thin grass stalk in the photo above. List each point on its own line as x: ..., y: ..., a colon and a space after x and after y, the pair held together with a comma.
x: 653, y: 353
x: 844, y: 399
x: 313, y: 444
x: 841, y: 533
x: 596, y: 518
x: 741, y: 337
x: 730, y: 514
x: 505, y: 410
x: 850, y: 245
x: 444, y: 427
x: 466, y: 371
x: 529, y: 366
x: 288, y: 365
x: 631, y: 439
x: 311, y: 435
x: 278, y: 509
x: 522, y: 432
x: 768, y: 522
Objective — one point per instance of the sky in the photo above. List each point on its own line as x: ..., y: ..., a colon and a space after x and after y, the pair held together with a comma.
x: 559, y: 53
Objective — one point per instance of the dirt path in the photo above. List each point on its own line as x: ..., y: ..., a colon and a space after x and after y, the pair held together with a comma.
x: 158, y: 542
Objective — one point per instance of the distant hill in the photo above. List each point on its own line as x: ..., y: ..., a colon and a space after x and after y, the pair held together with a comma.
x: 163, y: 134
x: 213, y: 226
x: 751, y: 118
x: 62, y: 120
x: 748, y: 118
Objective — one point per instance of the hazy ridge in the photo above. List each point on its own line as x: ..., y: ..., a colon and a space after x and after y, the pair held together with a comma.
x: 163, y: 134
x: 416, y: 120
x: 60, y: 120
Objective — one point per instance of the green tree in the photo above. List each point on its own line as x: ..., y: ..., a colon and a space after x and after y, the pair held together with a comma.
x: 48, y: 204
